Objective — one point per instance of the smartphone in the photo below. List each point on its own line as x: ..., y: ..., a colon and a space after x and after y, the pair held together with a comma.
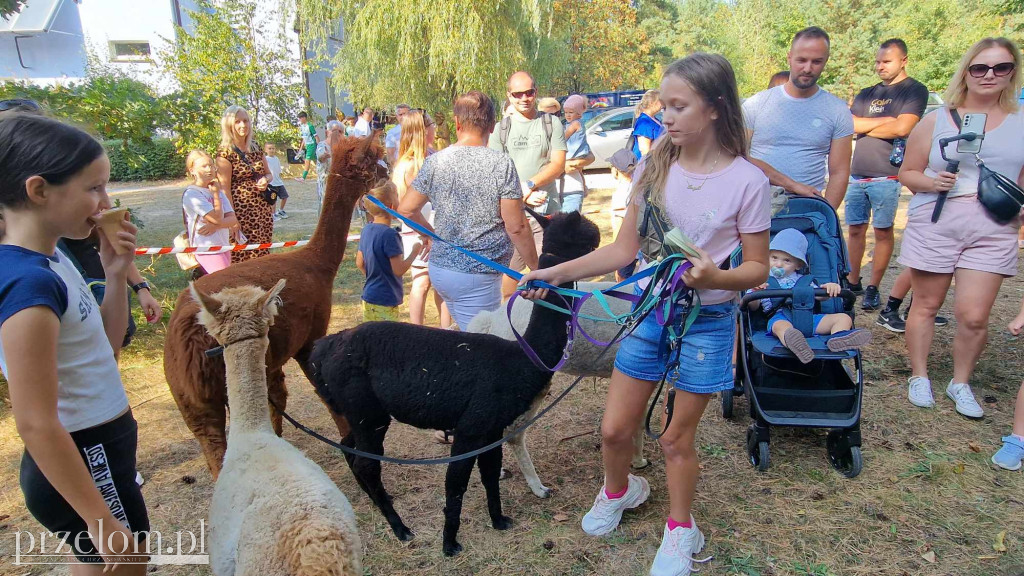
x: 972, y: 124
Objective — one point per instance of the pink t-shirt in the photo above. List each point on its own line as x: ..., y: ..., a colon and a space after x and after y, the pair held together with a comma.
x: 735, y: 200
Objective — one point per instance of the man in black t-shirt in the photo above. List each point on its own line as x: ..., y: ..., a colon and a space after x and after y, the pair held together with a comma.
x: 883, y: 116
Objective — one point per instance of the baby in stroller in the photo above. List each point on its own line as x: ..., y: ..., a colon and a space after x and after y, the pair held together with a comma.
x: 787, y: 256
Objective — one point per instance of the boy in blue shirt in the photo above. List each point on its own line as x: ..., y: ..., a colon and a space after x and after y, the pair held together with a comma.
x: 380, y: 258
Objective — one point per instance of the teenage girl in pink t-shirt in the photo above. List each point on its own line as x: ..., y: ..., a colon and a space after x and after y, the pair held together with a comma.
x: 698, y: 174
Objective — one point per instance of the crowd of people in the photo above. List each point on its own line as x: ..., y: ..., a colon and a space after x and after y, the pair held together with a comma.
x: 713, y: 166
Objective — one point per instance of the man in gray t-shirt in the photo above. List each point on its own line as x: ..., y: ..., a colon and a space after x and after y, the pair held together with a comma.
x: 799, y: 132
x: 539, y: 159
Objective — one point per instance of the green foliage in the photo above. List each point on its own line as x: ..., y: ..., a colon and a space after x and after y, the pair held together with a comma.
x: 8, y: 7
x: 157, y: 159
x: 234, y: 56
x: 108, y: 103
x: 426, y: 52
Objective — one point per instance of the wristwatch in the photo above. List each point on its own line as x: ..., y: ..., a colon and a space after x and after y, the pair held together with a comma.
x: 140, y: 286
x: 531, y: 185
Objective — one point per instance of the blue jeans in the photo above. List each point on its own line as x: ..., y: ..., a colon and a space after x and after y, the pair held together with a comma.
x: 880, y: 199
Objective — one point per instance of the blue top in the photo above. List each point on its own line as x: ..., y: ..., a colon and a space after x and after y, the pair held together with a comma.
x: 28, y: 281
x: 648, y: 128
x: 577, y: 145
x: 379, y: 243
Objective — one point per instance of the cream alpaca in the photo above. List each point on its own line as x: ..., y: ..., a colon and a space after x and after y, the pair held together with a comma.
x: 274, y: 511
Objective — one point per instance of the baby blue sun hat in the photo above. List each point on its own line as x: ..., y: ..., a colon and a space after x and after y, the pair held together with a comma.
x: 792, y: 242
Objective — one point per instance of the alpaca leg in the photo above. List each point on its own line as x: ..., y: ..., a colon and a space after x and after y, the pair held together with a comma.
x: 208, y: 422
x: 367, y: 472
x: 490, y: 468
x: 518, y: 445
x: 455, y: 483
x: 278, y: 394
x: 639, y: 462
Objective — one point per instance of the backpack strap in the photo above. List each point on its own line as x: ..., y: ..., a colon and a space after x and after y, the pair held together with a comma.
x: 547, y: 126
x: 503, y: 129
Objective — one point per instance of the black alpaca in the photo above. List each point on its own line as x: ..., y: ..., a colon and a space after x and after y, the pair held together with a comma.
x: 473, y: 384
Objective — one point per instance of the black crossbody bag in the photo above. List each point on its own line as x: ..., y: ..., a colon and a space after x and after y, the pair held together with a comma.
x: 269, y: 195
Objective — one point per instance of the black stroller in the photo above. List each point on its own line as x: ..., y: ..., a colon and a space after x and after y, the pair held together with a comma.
x: 825, y: 393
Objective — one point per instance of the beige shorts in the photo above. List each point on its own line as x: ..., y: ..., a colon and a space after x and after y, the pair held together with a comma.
x: 517, y: 263
x: 964, y: 237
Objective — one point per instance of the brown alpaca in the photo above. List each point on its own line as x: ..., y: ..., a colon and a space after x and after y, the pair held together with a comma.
x: 198, y: 382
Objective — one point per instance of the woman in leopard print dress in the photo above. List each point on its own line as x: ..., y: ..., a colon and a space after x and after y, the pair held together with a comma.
x: 242, y: 170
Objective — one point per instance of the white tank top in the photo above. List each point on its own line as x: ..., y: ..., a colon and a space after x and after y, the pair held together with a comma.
x: 1002, y: 150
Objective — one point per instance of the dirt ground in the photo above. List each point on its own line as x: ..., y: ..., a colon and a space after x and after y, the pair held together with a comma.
x: 929, y: 502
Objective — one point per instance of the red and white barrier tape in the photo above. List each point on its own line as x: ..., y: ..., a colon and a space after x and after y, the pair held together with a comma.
x: 146, y: 251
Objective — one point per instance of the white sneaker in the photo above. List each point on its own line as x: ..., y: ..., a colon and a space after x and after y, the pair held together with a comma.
x: 920, y: 392
x: 964, y: 398
x: 606, y: 513
x: 675, y: 556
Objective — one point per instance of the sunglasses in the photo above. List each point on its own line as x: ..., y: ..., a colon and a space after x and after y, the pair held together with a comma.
x: 524, y: 94
x: 19, y: 104
x: 981, y: 70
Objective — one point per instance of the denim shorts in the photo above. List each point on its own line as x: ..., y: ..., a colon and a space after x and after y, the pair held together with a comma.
x: 705, y: 359
x: 878, y: 199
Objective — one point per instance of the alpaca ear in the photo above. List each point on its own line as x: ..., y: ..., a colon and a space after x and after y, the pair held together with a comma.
x: 540, y: 218
x: 207, y: 302
x: 271, y: 300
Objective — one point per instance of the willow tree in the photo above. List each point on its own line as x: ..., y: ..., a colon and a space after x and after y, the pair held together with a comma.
x: 426, y: 52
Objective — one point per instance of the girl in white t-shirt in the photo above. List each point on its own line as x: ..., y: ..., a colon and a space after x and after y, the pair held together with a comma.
x: 698, y: 176
x: 209, y: 218
x: 57, y: 345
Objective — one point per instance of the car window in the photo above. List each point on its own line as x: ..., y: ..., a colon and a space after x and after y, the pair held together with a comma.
x: 621, y: 121
x: 934, y: 99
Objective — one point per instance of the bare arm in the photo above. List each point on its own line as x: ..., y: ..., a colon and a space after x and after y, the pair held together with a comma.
x: 572, y: 128
x: 899, y: 127
x: 643, y: 143
x: 863, y: 125
x: 705, y: 273
x: 838, y: 170
x: 224, y: 176
x: 551, y: 171
x: 915, y: 158
x: 400, y: 265
x: 411, y: 206
x: 574, y: 164
x: 776, y: 178
x: 360, y: 263
x: 30, y: 344
x: 518, y: 230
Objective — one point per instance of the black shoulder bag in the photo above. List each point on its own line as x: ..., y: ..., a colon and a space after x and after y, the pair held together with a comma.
x: 269, y: 195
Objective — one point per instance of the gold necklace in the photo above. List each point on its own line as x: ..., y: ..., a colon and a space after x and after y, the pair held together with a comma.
x: 706, y: 176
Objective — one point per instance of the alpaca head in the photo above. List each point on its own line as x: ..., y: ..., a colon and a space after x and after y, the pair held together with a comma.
x: 354, y: 159
x: 567, y: 235
x: 238, y: 313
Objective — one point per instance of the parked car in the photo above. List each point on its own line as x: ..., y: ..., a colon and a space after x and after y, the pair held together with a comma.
x: 607, y: 133
x: 934, y: 101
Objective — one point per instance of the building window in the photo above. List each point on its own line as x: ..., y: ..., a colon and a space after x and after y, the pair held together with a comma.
x: 130, y: 51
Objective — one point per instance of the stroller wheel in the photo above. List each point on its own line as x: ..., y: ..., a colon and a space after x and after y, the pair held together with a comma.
x: 758, y: 452
x: 727, y: 398
x: 843, y: 457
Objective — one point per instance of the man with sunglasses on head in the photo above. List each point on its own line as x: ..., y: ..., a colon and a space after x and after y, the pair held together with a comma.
x: 536, y: 143
x: 393, y: 137
x: 883, y: 116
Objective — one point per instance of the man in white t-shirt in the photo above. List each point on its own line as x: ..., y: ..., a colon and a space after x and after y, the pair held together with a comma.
x: 799, y: 132
x: 364, y: 124
x: 393, y: 137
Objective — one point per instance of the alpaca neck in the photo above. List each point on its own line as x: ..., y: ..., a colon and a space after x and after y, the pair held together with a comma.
x: 331, y: 235
x: 246, y: 366
x: 547, y: 333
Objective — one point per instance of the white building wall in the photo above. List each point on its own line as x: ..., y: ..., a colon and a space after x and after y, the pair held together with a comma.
x: 46, y: 58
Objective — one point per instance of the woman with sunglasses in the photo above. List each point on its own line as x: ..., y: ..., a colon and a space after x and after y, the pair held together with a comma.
x: 965, y: 244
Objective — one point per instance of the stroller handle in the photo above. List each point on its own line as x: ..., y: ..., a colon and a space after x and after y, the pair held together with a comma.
x: 846, y: 295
